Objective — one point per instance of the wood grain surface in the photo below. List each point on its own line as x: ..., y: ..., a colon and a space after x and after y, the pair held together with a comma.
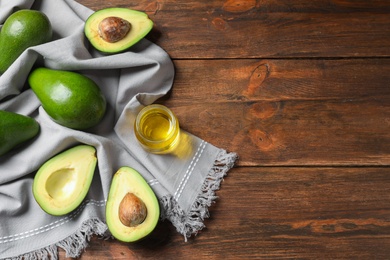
x: 301, y: 91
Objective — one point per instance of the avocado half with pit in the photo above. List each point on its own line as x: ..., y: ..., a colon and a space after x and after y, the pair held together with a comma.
x: 132, y: 209
x: 113, y: 30
x: 62, y: 182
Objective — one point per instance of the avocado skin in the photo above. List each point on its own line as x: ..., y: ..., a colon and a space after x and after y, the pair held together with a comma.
x: 69, y: 98
x: 15, y: 129
x: 22, y: 29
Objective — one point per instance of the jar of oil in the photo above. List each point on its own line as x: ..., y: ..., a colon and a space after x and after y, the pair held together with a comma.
x: 157, y: 129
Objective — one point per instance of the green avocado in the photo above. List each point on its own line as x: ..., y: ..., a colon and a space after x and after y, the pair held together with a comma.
x: 22, y: 29
x: 69, y: 98
x: 15, y: 129
x: 132, y: 209
x: 113, y: 30
x: 62, y: 182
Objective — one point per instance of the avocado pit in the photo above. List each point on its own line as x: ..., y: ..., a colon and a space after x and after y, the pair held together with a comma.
x: 132, y: 210
x: 113, y: 29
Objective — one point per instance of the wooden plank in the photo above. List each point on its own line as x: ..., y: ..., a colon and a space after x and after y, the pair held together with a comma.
x: 283, y: 213
x: 239, y: 6
x: 276, y: 80
x: 272, y: 29
x: 288, y: 112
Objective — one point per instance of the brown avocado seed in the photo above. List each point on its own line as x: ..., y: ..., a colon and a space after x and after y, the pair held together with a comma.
x: 113, y: 29
x: 132, y: 210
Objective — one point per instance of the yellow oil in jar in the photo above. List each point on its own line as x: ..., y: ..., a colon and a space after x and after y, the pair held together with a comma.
x: 157, y: 129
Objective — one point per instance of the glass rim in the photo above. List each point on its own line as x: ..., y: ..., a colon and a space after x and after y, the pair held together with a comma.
x: 173, y: 123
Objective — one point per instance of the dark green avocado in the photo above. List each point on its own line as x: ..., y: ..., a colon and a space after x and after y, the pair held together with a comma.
x: 15, y: 129
x: 69, y: 98
x: 22, y: 29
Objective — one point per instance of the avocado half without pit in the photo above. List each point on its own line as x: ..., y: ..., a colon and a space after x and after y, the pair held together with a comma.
x: 113, y: 30
x: 62, y: 182
x: 132, y: 209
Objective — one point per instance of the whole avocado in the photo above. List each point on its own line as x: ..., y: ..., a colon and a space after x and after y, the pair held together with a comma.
x: 22, y: 29
x: 15, y: 129
x: 69, y: 98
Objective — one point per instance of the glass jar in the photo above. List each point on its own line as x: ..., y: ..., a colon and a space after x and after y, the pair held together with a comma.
x: 157, y: 129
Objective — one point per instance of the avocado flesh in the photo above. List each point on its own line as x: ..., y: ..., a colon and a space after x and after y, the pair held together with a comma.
x: 141, y: 25
x: 127, y: 180
x: 21, y: 30
x: 69, y: 98
x: 62, y: 182
x: 15, y: 129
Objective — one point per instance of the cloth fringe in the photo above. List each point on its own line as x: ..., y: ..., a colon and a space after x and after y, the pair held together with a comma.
x: 73, y: 245
x: 191, y: 223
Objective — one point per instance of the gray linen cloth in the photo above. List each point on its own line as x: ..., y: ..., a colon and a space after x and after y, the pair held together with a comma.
x: 185, y: 183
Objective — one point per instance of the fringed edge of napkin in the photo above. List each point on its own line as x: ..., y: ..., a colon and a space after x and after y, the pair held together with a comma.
x: 191, y: 223
x: 73, y: 245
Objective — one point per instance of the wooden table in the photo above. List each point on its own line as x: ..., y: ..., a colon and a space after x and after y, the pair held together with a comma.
x: 301, y: 91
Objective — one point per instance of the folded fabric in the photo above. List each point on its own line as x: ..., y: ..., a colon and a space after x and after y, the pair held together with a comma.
x: 184, y: 185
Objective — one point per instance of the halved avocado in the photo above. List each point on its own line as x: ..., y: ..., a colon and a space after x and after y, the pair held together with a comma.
x: 62, y: 182
x: 132, y: 209
x: 113, y: 30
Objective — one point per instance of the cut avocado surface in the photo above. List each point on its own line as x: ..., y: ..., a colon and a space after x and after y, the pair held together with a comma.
x: 130, y: 24
x: 131, y: 197
x: 61, y: 183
